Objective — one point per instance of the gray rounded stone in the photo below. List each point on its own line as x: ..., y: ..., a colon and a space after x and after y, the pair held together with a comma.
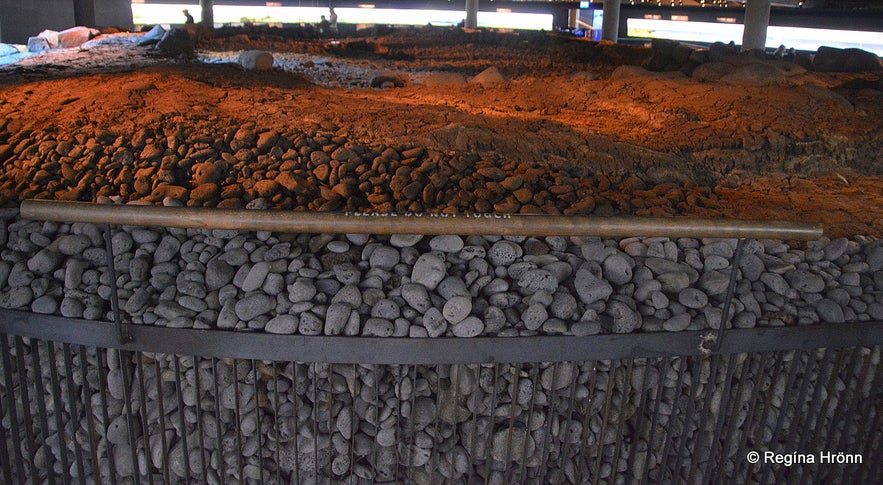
x: 677, y: 323
x: 503, y: 253
x: 457, y: 309
x: 692, y: 298
x: 253, y: 305
x: 404, y: 240
x: 416, y: 296
x: 310, y: 324
x: 590, y: 288
x: 534, y: 280
x: 623, y: 318
x: 470, y: 327
x: 282, y: 324
x: 384, y: 257
x: 534, y: 317
x: 429, y: 271
x: 446, y: 243
x: 617, y: 269
x: 301, y: 291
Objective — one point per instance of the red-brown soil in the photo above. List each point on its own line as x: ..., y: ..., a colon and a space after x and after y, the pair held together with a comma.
x: 808, y: 150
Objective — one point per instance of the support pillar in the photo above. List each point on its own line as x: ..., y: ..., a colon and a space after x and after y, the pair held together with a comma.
x: 84, y: 13
x: 471, y: 14
x: 757, y: 19
x: 208, y: 14
x: 610, y: 21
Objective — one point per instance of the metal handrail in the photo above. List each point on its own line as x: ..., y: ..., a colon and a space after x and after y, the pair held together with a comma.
x: 413, y: 223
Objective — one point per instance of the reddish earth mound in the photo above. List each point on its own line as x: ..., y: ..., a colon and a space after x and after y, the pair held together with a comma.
x: 566, y: 131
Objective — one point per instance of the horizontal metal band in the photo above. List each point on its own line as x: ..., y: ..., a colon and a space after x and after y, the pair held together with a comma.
x: 375, y: 350
x: 412, y: 223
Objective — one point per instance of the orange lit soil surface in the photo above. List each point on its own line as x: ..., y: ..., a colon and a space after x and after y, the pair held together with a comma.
x: 568, y: 136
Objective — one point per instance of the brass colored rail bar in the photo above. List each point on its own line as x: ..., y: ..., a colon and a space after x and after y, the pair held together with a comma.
x: 412, y: 223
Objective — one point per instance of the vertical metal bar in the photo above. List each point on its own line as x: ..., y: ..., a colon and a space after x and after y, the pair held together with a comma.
x: 723, y: 413
x: 181, y: 419
x: 330, y: 421
x: 5, y: 464
x: 706, y: 410
x: 102, y: 387
x: 315, y: 419
x: 123, y: 359
x: 90, y: 418
x: 587, y: 427
x: 639, y: 425
x: 410, y: 447
x: 660, y: 386
x: 161, y: 417
x: 5, y: 461
x: 276, y: 420
x: 145, y: 425
x: 861, y: 431
x: 547, y: 436
x: 747, y: 431
x: 59, y: 407
x: 599, y: 454
x: 622, y: 424
x: 695, y: 380
x: 257, y: 411
x: 471, y: 476
x: 667, y: 443
x: 872, y: 471
x: 728, y: 299
x: 377, y: 411
x: 294, y: 398
x: 75, y: 414
x: 114, y: 294
x: 238, y: 415
x: 219, y: 427
x: 747, y: 368
x: 436, y: 432
x: 26, y: 410
x: 512, y: 402
x: 853, y: 378
x: 790, y: 380
x: 562, y: 458
x: 816, y: 423
x: 41, y: 407
x: 200, y: 431
x: 352, y: 406
x: 492, y: 418
x: 18, y: 459
x: 398, y: 432
x: 534, y: 372
x: 814, y: 408
x: 798, y: 404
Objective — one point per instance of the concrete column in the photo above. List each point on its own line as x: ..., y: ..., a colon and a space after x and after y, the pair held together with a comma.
x: 84, y: 13
x: 471, y: 14
x: 208, y: 14
x: 610, y: 22
x: 757, y: 19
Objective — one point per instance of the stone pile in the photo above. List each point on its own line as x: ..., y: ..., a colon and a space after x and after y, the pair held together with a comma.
x: 414, y: 286
x: 318, y: 169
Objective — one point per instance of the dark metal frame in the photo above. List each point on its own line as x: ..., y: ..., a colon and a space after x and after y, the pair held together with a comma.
x: 447, y: 350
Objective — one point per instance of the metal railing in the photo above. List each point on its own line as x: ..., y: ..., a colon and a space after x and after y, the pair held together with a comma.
x: 76, y: 413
